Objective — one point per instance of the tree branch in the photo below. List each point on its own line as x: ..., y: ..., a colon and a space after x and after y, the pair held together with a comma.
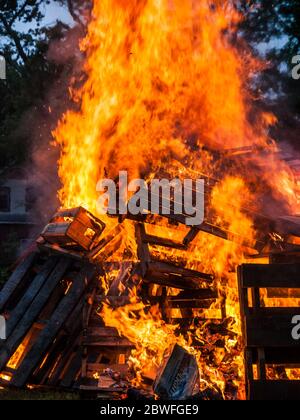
x: 13, y: 34
x: 19, y: 12
x: 73, y: 14
x: 12, y: 64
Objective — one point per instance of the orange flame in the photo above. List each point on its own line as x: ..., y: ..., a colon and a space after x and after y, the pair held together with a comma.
x: 163, y: 79
x: 158, y: 72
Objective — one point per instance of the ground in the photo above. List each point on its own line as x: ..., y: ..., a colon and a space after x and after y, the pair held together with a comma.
x: 36, y: 395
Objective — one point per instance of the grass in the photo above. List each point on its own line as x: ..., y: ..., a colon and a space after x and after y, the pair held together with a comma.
x: 37, y: 395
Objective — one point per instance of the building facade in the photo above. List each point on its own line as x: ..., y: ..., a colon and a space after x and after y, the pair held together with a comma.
x: 16, y: 213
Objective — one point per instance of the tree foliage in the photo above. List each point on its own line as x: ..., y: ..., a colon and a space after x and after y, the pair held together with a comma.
x: 24, y: 42
x: 273, y: 28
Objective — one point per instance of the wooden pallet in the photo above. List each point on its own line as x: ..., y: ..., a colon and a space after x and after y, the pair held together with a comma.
x: 43, y: 301
x: 267, y: 331
x: 195, y: 289
x: 55, y: 336
x: 286, y: 227
x: 74, y: 227
x: 102, y: 348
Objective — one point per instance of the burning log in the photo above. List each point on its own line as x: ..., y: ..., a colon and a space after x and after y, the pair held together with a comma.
x: 180, y: 278
x: 101, y: 252
x: 178, y: 377
x: 127, y: 278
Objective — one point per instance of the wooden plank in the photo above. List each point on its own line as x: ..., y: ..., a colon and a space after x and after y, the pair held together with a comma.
x: 274, y: 390
x: 184, y: 323
x: 72, y: 371
x: 100, y: 367
x: 167, y: 268
x: 62, y: 349
x: 275, y: 275
x: 261, y: 364
x: 287, y: 356
x: 255, y: 293
x: 29, y: 295
x: 191, y: 303
x: 76, y: 225
x: 43, y: 373
x: 120, y: 284
x: 77, y: 232
x: 54, y: 325
x: 142, y: 246
x: 103, y: 332
x: 107, y: 251
x: 104, y: 242
x: 90, y: 388
x: 286, y: 257
x: 197, y: 294
x: 173, y: 276
x: 93, y: 340
x: 193, y: 233
x: 15, y: 280
x: 248, y: 359
x: 283, y: 293
x: 164, y: 242
x: 87, y: 217
x: 56, y: 296
x: 243, y: 298
x: 270, y: 331
x: 204, y: 227
x: 88, y: 307
x: 70, y: 346
x: 58, y: 251
x: 14, y: 340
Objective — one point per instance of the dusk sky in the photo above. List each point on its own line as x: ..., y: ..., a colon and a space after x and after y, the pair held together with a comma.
x: 54, y: 12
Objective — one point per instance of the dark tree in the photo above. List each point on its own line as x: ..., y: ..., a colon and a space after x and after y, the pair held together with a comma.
x: 31, y: 71
x: 273, y: 29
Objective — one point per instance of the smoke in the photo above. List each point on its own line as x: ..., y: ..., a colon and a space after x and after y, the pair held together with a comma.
x: 42, y: 119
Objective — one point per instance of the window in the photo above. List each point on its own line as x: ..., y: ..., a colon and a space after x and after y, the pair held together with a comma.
x: 31, y: 198
x: 4, y: 199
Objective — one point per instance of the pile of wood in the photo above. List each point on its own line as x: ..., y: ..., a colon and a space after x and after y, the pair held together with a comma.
x: 43, y: 303
x: 54, y: 334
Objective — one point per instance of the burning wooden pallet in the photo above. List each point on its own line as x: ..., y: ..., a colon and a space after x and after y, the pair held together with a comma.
x: 270, y: 348
x: 42, y: 302
x: 276, y: 234
x: 105, y: 354
x: 55, y: 336
x: 53, y: 300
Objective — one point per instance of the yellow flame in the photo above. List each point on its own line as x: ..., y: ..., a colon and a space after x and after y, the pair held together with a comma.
x: 164, y: 78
